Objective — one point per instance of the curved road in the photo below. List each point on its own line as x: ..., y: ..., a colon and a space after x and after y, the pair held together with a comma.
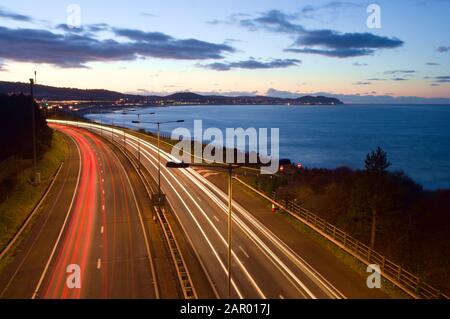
x: 264, y: 266
x: 94, y: 225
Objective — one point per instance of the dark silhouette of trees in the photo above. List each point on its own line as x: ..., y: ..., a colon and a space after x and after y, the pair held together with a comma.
x: 374, y: 189
x: 15, y: 128
x: 377, y: 161
x: 411, y: 225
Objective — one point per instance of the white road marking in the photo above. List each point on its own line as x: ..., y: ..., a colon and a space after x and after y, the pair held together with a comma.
x: 103, y: 207
x: 41, y: 279
x: 217, y: 219
x: 102, y: 229
x: 281, y: 296
x: 147, y: 246
x: 244, y: 252
x: 99, y: 263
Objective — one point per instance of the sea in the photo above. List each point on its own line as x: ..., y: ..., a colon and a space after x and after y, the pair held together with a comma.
x: 415, y: 137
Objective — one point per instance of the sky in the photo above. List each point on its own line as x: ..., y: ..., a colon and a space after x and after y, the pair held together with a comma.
x: 360, y: 51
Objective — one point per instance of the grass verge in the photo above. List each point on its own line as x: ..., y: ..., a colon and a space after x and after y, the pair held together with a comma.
x: 22, y: 197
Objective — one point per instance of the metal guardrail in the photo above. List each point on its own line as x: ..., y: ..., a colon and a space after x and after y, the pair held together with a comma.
x: 183, y: 275
x: 396, y: 274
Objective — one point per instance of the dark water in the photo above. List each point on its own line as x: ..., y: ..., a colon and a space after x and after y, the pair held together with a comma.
x: 416, y: 137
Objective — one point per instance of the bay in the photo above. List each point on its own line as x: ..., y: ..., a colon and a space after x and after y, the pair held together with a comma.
x: 416, y: 137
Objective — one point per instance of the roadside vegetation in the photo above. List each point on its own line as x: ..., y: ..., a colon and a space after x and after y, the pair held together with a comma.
x: 385, y: 210
x: 18, y: 196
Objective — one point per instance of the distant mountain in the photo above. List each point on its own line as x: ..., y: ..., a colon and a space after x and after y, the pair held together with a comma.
x: 318, y: 100
x: 51, y: 93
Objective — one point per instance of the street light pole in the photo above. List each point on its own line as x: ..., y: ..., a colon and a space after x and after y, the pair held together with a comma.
x: 139, y: 141
x: 158, y: 124
x: 33, y: 132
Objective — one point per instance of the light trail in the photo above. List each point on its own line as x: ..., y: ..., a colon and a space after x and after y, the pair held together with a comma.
x: 260, y: 235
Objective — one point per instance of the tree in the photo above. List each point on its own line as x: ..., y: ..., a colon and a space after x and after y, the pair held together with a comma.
x: 373, y: 192
x: 15, y: 127
x: 376, y: 161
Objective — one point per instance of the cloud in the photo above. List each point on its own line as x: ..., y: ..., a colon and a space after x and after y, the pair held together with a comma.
x: 399, y: 79
x: 404, y: 72
x: 362, y: 83
x: 5, y: 14
x: 375, y: 79
x: 272, y: 21
x: 282, y: 94
x: 252, y: 64
x: 347, y: 41
x: 442, y: 79
x: 86, y: 29
x: 323, y: 42
x: 360, y: 64
x: 329, y: 11
x: 148, y: 14
x: 138, y: 35
x: 233, y: 19
x: 443, y: 49
x: 75, y: 50
x: 336, y: 53
x: 275, y: 21
x: 230, y: 93
x: 432, y: 64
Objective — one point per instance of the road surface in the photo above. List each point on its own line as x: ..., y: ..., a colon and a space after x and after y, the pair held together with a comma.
x: 264, y: 266
x: 93, y: 224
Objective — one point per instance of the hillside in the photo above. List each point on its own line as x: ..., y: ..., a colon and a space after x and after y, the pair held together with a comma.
x: 51, y: 93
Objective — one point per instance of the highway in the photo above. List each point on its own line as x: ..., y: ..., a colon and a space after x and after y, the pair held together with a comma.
x: 93, y: 221
x: 264, y: 266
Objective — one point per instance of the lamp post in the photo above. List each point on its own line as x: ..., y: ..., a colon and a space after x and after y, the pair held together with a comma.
x: 158, y: 124
x: 139, y: 141
x: 36, y: 179
x: 229, y: 169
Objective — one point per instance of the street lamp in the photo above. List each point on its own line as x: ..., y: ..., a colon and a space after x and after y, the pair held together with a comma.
x: 36, y: 177
x: 139, y: 141
x: 229, y: 168
x: 159, y: 151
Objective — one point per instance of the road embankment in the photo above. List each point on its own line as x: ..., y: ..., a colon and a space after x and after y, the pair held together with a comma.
x: 19, y: 196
